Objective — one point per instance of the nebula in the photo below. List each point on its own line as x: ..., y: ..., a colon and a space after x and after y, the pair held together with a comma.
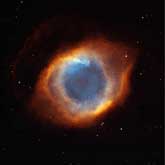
x: 83, y: 83
x: 76, y: 83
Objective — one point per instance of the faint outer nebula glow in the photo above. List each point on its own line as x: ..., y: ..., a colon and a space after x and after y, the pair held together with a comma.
x: 80, y: 82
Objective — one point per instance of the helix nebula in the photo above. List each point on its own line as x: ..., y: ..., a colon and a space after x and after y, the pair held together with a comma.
x: 79, y: 80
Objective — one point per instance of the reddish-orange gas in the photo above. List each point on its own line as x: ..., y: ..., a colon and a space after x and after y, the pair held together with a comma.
x: 117, y: 61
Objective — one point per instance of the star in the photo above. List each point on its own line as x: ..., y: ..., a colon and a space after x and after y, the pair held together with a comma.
x: 121, y: 129
x: 140, y: 73
x: 102, y: 123
x: 19, y: 82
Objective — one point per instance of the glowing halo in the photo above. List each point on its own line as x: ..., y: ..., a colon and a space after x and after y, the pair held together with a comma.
x: 57, y: 107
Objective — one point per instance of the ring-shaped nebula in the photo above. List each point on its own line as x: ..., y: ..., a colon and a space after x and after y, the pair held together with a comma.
x: 80, y: 82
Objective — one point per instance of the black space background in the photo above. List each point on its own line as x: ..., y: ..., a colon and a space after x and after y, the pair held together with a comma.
x: 141, y: 140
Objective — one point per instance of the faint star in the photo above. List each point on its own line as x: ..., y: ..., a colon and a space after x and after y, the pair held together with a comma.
x: 146, y: 14
x: 126, y: 56
x: 30, y: 87
x: 4, y: 148
x: 11, y: 109
x: 102, y: 123
x: 140, y: 73
x: 65, y: 134
x: 137, y: 42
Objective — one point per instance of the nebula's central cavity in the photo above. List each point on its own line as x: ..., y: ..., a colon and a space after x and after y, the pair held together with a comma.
x: 83, y: 79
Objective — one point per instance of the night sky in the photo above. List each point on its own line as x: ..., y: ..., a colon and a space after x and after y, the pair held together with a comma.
x: 133, y: 133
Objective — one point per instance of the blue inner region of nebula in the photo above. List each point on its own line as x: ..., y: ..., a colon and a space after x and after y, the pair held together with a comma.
x: 83, y: 80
